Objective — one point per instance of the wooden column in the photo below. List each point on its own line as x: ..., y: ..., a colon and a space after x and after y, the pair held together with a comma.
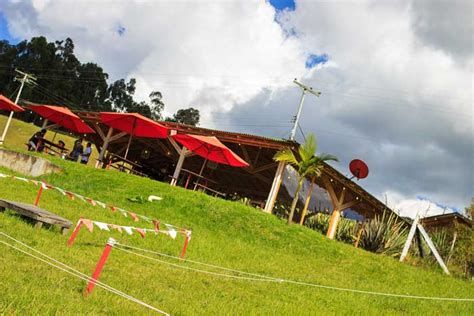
x: 275, y: 188
x: 338, y: 206
x: 107, y: 139
x: 183, y: 153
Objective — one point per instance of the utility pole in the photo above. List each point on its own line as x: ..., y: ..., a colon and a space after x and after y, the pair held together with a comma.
x: 27, y: 78
x: 300, y: 107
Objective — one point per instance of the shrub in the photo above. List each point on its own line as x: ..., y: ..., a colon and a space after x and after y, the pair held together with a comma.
x: 384, y: 234
x: 346, y: 230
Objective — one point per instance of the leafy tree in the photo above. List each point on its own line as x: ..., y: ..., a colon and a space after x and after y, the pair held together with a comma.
x: 188, y: 116
x: 63, y: 80
x: 308, y: 164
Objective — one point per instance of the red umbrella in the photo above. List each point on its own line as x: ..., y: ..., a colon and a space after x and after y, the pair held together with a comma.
x: 210, y: 148
x: 63, y: 117
x: 7, y: 104
x: 135, y: 125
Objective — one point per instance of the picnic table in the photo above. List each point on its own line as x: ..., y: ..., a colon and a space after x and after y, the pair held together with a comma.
x: 131, y: 169
x: 205, y: 188
x: 194, y: 174
x: 39, y: 215
x: 55, y: 148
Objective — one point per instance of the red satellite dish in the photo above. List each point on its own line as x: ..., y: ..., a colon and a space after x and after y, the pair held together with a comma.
x: 359, y: 169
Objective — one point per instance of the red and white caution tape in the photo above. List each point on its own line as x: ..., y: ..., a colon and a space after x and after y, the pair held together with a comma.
x: 72, y: 195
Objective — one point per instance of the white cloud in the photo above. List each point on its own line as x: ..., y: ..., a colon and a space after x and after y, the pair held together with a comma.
x: 415, y: 206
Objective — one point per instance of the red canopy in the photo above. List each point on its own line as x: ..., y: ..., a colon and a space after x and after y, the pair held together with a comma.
x: 7, y: 104
x: 210, y: 148
x: 62, y: 116
x: 134, y: 124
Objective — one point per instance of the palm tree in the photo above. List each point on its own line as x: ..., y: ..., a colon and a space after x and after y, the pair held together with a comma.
x: 307, y: 165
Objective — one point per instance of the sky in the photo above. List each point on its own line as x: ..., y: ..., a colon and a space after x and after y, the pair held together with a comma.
x: 395, y: 76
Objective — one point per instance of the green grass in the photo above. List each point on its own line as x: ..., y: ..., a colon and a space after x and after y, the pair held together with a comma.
x: 224, y: 233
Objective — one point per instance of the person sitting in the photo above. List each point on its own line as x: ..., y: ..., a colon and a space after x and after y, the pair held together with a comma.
x: 34, y: 143
x: 76, y: 151
x: 86, y: 154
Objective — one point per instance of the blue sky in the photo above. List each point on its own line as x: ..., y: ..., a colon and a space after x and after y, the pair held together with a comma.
x: 4, y: 34
x: 283, y: 4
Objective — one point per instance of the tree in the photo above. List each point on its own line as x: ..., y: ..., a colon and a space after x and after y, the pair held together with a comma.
x: 308, y: 164
x: 188, y: 116
x: 157, y: 105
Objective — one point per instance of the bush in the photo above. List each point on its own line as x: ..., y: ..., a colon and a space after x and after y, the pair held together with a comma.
x: 384, y: 234
x: 346, y: 230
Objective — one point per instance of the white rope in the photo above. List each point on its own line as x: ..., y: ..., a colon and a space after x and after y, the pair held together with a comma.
x: 263, y: 278
x: 76, y: 273
x: 198, y: 270
x: 199, y: 263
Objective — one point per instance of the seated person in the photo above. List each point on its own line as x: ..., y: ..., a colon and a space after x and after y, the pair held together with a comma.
x: 76, y: 151
x: 61, y: 144
x: 35, y: 144
x: 86, y: 154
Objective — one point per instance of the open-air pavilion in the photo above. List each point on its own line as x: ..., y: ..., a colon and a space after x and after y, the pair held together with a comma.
x: 260, y: 181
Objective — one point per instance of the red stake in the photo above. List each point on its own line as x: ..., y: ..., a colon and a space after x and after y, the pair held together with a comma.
x: 185, y: 247
x: 70, y: 242
x: 100, y: 265
x: 38, y: 196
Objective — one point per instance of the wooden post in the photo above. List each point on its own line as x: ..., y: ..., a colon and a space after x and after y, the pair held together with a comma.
x: 38, y: 196
x: 100, y: 265
x: 420, y: 245
x: 359, y: 235
x: 70, y: 242
x: 411, y: 234
x: 185, y: 247
x: 338, y: 207
x: 333, y: 223
x: 275, y: 187
x: 308, y: 199
x: 433, y: 248
x: 179, y: 166
x: 104, y: 148
x: 452, y: 246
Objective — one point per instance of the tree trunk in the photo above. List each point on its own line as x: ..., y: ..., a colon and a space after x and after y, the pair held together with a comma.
x: 295, y: 201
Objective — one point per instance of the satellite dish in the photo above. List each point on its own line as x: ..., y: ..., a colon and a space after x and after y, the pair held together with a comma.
x: 358, y: 169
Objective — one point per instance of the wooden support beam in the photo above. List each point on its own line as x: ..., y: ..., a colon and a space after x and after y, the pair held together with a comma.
x: 338, y: 207
x: 117, y: 137
x: 257, y: 156
x: 99, y: 131
x: 246, y: 156
x: 264, y: 167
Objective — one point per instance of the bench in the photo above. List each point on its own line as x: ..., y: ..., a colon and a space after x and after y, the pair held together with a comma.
x: 39, y: 215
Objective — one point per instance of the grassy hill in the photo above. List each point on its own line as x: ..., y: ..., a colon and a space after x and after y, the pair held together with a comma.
x: 224, y: 233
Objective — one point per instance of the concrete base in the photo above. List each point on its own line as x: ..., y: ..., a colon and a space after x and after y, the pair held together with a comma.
x: 25, y: 164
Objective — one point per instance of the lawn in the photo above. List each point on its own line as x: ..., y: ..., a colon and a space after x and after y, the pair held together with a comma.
x: 225, y: 233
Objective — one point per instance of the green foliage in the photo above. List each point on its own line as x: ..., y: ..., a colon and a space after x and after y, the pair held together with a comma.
x: 63, y: 80
x: 308, y: 164
x: 188, y: 116
x: 346, y: 229
x: 138, y: 199
x: 384, y: 234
